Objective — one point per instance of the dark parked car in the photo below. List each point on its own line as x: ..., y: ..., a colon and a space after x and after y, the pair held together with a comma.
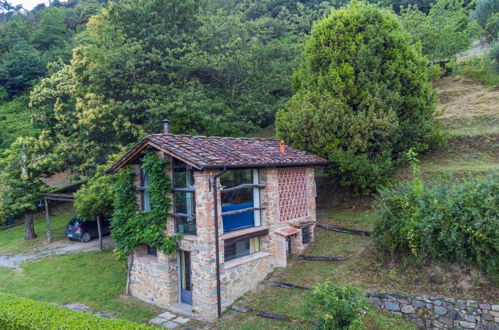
x: 85, y: 230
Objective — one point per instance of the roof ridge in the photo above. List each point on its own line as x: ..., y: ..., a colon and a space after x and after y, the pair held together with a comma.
x: 213, y: 137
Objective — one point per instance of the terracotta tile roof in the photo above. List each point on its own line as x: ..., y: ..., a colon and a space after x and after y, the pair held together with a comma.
x: 214, y: 152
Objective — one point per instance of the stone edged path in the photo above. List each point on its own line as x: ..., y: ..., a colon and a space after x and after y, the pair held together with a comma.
x: 169, y: 320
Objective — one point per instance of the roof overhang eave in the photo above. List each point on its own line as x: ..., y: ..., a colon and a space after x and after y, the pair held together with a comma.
x: 295, y: 164
x: 135, y: 150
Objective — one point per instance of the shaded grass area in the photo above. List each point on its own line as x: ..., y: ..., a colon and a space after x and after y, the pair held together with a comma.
x: 95, y: 279
x: 12, y: 239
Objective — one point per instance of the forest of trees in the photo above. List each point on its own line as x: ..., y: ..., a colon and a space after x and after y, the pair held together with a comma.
x: 84, y: 79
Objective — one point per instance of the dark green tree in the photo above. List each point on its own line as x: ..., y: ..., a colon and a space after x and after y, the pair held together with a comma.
x: 363, y: 97
x: 20, y: 68
x: 52, y: 31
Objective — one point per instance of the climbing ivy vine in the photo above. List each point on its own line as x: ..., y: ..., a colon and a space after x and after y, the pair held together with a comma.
x: 133, y: 227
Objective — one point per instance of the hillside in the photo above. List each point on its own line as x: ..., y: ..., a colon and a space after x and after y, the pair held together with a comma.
x: 469, y: 115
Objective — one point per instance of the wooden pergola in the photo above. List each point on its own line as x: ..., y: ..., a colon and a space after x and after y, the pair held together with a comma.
x: 63, y: 198
x: 54, y: 197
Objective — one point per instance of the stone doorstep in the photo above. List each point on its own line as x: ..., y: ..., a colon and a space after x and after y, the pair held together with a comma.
x: 182, y: 309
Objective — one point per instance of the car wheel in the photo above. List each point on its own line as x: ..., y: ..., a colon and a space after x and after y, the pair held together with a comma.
x: 86, y: 237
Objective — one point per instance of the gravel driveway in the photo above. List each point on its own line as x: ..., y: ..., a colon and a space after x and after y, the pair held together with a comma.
x: 56, y: 248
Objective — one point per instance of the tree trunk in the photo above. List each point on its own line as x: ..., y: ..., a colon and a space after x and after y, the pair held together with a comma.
x: 100, y: 232
x: 29, y: 227
x: 47, y: 220
x: 130, y: 264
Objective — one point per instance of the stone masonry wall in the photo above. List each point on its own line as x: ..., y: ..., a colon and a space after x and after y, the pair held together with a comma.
x: 439, y: 312
x: 242, y: 275
x: 154, y: 279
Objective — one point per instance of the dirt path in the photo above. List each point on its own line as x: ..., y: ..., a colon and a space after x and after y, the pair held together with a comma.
x: 56, y: 248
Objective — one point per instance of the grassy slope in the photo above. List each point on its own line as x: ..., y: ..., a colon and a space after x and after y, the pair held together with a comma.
x: 469, y: 114
x: 473, y: 142
x: 95, y: 279
x: 12, y: 239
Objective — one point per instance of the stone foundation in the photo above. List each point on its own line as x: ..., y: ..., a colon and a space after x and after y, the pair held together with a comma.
x: 439, y: 312
x: 154, y: 279
x: 243, y: 274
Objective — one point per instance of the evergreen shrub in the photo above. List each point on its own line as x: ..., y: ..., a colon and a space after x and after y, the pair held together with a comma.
x: 363, y: 96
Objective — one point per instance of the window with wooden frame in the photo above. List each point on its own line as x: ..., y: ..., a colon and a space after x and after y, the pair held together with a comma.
x: 241, y: 248
x: 184, y: 205
x: 240, y: 193
x: 145, y: 200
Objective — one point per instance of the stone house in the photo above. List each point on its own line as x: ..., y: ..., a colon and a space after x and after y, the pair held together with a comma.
x: 262, y: 193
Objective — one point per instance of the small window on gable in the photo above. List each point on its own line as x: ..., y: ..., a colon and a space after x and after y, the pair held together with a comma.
x: 152, y: 251
x: 145, y: 199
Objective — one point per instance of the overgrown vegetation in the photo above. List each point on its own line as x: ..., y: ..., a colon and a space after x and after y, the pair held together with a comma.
x: 445, y: 31
x: 133, y: 227
x: 362, y: 112
x: 95, y: 198
x: 450, y: 221
x: 338, y: 306
x: 23, y: 167
x: 483, y: 68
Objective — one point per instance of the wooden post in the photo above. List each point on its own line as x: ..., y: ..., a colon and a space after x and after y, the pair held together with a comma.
x: 47, y: 220
x: 100, y: 232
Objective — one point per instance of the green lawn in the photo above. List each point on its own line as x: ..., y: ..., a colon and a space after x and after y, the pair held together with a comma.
x: 95, y: 279
x: 12, y: 239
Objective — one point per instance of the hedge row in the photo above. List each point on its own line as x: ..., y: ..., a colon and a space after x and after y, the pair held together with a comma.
x: 22, y: 313
x: 454, y: 220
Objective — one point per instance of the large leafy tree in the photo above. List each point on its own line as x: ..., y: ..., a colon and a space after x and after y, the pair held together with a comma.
x: 213, y: 72
x: 363, y: 97
x: 23, y: 166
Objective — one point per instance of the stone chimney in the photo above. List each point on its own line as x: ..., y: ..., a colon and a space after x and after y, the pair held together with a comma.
x: 166, y: 127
